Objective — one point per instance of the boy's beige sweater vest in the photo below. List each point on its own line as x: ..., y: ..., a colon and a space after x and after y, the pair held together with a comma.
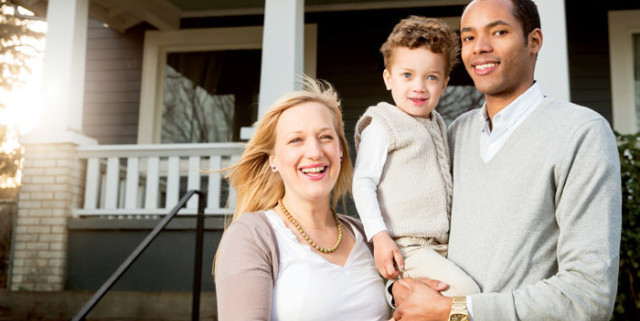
x: 415, y: 187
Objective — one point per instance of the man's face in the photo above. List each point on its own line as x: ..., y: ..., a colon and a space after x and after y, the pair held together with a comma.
x: 497, y: 55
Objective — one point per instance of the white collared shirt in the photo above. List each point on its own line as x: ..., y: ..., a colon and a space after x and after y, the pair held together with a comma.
x: 506, y: 121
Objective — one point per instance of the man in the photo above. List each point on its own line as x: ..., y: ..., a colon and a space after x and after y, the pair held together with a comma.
x: 536, y: 212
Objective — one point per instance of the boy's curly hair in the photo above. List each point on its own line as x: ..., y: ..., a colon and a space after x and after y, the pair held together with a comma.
x: 415, y: 32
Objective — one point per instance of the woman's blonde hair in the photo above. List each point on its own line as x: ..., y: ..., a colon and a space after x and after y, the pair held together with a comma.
x: 257, y: 186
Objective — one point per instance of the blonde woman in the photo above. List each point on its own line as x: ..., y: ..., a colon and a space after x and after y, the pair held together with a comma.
x: 287, y: 255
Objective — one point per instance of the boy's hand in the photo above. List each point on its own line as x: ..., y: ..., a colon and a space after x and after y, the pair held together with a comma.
x: 385, y: 252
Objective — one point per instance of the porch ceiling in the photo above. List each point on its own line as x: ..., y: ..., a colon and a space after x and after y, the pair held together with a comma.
x: 165, y: 14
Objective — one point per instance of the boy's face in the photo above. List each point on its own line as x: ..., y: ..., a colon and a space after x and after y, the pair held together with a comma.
x: 416, y: 79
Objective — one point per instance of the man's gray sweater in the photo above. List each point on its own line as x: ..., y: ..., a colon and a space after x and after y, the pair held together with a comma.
x: 538, y: 226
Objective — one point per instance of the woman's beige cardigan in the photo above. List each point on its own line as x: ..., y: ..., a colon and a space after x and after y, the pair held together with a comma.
x: 247, y: 267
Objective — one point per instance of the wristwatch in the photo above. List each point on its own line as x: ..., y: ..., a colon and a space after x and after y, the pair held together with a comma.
x: 459, y: 309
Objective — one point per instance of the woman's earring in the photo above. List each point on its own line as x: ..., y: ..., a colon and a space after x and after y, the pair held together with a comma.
x: 273, y: 168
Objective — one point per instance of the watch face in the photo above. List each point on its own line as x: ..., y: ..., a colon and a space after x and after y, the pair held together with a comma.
x: 459, y: 317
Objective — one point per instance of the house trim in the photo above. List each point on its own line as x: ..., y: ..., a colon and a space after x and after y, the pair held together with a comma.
x: 157, y: 44
x: 215, y: 223
x: 330, y: 7
x: 622, y: 26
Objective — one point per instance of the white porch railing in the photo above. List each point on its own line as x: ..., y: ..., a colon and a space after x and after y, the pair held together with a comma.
x: 149, y: 179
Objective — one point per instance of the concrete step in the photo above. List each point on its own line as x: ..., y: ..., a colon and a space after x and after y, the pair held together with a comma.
x: 117, y: 305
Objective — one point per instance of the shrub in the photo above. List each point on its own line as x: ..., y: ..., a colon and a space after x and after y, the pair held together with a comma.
x: 628, y: 299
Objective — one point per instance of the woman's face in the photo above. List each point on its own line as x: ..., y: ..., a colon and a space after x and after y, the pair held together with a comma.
x: 307, y: 151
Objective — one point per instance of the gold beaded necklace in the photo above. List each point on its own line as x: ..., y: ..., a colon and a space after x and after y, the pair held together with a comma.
x: 304, y: 234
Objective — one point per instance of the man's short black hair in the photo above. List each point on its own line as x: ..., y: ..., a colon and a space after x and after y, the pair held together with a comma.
x: 526, y: 12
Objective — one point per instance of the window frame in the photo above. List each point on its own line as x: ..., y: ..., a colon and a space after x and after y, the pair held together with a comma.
x: 623, y: 24
x: 158, y: 44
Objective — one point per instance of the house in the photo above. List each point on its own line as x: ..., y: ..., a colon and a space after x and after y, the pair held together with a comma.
x: 142, y: 94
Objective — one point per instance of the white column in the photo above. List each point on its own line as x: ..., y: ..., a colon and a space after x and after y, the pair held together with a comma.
x: 552, y: 68
x: 63, y: 72
x: 282, y: 50
x: 282, y: 53
x: 52, y: 180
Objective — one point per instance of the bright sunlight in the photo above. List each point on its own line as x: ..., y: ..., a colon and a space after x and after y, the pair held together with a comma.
x: 22, y: 45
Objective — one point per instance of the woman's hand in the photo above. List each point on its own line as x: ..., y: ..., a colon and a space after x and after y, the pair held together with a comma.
x: 386, y: 252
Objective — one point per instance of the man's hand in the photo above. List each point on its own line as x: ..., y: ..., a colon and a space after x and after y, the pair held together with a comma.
x: 420, y: 300
x: 385, y: 252
x: 400, y: 290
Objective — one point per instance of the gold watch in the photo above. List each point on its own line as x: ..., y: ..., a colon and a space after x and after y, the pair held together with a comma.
x: 459, y: 309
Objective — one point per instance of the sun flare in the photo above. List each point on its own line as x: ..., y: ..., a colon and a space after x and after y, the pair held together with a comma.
x: 20, y: 94
x: 23, y: 103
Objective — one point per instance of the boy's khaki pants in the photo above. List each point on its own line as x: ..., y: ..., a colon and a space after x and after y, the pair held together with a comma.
x: 424, y: 257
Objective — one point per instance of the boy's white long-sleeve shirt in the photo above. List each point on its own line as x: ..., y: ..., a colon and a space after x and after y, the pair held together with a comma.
x: 372, y: 155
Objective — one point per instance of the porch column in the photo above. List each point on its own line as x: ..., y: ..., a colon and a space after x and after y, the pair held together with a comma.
x: 52, y: 175
x: 282, y: 50
x: 64, y: 65
x: 282, y: 53
x: 552, y: 69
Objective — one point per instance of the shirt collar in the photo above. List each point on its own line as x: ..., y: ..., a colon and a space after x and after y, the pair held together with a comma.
x: 510, y: 114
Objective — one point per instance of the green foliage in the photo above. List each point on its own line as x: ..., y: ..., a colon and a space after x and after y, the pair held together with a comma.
x: 10, y: 162
x: 16, y: 46
x: 628, y: 299
x: 19, y: 49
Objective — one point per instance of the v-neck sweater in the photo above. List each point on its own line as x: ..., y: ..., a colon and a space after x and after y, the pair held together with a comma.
x: 538, y: 226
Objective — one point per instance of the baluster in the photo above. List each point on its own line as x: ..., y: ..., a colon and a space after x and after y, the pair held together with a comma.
x: 213, y: 193
x: 193, y: 181
x: 92, y: 182
x: 153, y: 172
x: 173, y: 181
x: 111, y: 188
x: 132, y: 183
x: 232, y: 191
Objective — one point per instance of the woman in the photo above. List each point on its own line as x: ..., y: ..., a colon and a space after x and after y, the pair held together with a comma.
x: 287, y: 255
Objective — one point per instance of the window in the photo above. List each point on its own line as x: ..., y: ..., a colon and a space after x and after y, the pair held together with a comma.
x: 201, y: 85
x: 209, y: 95
x: 624, y: 49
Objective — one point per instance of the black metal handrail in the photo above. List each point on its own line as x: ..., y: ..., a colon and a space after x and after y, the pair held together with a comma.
x: 197, y: 270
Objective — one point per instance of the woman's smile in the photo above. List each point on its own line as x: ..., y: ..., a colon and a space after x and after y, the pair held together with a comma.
x: 314, y: 172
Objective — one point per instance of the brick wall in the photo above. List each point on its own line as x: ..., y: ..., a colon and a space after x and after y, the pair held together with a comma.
x: 52, y: 185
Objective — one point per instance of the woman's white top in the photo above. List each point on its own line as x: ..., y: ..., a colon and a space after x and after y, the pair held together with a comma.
x: 308, y: 287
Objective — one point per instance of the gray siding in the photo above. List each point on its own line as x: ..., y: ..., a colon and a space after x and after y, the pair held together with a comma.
x: 112, y: 86
x: 588, y: 38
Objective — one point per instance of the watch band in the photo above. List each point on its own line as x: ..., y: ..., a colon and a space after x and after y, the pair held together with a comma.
x: 459, y: 309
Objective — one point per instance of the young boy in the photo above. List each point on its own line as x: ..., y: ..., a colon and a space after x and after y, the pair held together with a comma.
x: 402, y: 180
